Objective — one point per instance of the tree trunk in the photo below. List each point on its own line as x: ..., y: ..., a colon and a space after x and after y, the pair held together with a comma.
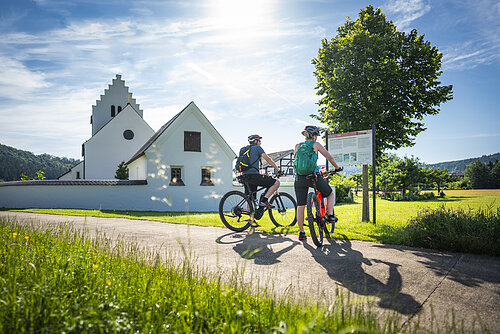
x: 366, y: 200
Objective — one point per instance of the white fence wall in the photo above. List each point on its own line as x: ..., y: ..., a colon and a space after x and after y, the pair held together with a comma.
x: 116, y: 195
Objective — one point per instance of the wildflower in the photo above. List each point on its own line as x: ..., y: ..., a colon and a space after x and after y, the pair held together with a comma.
x: 26, y: 237
x: 14, y: 235
x: 95, y: 266
x: 108, y: 282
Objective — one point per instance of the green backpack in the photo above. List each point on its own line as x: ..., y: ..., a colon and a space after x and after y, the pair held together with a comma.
x: 305, y: 159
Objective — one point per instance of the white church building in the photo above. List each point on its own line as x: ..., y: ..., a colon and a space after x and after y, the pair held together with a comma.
x: 185, y: 165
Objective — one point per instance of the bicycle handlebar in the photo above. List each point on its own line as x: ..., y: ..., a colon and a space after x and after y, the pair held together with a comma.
x: 325, y: 173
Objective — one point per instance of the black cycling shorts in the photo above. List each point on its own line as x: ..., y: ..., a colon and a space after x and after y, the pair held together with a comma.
x: 302, y: 185
x: 256, y: 180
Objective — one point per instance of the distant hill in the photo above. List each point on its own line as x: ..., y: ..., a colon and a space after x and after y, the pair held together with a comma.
x: 13, y: 162
x: 460, y: 165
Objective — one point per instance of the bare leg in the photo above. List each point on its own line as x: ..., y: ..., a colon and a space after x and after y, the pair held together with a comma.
x: 272, y: 189
x: 330, y: 202
x: 300, y: 217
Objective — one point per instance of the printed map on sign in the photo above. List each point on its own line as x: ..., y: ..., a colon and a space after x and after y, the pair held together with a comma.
x: 351, y: 149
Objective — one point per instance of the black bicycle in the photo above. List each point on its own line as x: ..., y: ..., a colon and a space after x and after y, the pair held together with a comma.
x: 316, y: 211
x: 237, y: 210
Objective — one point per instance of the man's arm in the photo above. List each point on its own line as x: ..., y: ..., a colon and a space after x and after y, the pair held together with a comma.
x: 271, y: 162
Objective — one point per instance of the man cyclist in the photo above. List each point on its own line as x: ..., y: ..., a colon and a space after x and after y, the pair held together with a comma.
x: 302, y: 184
x: 252, y: 174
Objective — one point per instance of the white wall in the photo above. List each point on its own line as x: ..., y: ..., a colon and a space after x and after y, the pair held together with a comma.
x: 114, y: 197
x: 108, y: 148
x: 168, y: 151
x: 137, y: 170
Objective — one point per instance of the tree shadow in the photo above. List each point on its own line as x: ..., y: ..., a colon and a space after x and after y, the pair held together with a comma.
x: 258, y: 246
x: 344, y: 265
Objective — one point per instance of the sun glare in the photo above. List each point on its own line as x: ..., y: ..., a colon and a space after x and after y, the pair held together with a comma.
x: 241, y: 14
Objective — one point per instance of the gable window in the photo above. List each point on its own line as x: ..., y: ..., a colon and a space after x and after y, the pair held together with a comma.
x: 77, y: 175
x: 113, y: 109
x: 192, y: 141
x: 206, y: 177
x: 176, y: 176
x: 119, y: 109
x: 128, y: 134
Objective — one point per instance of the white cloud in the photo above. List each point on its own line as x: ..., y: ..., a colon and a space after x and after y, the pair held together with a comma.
x: 407, y: 11
x: 17, y: 81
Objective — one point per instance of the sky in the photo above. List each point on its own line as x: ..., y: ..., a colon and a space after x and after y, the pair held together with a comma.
x: 246, y: 65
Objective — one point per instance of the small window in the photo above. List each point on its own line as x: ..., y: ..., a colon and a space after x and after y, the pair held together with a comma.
x: 176, y: 176
x: 113, y: 111
x: 119, y: 109
x: 77, y: 175
x: 206, y: 177
x: 128, y: 134
x: 192, y: 141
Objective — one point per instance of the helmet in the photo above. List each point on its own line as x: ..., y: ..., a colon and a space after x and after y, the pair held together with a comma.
x: 312, y: 130
x: 252, y: 138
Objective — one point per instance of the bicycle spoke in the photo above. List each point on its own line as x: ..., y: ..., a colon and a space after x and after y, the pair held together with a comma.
x: 235, y: 211
x: 284, y: 212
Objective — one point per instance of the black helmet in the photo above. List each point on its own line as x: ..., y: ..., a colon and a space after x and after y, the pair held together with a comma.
x: 312, y: 130
x: 252, y: 138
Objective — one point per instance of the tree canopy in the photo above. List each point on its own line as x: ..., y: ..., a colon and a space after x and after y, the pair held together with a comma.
x: 370, y: 73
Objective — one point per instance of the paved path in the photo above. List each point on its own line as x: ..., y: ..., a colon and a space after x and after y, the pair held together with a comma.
x: 411, y: 282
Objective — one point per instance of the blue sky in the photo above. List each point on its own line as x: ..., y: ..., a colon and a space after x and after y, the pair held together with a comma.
x: 246, y: 64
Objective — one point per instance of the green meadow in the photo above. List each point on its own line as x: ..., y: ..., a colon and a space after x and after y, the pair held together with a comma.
x: 393, y: 223
x: 62, y: 281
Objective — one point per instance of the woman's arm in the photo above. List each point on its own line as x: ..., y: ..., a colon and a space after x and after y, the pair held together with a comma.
x: 326, y: 154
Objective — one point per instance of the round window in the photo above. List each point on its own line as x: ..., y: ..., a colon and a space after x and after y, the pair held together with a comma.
x: 128, y: 134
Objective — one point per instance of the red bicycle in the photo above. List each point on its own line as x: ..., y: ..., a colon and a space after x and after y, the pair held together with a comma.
x: 317, y: 216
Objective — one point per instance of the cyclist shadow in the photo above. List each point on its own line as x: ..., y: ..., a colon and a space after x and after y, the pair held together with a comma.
x: 344, y: 265
x: 258, y: 246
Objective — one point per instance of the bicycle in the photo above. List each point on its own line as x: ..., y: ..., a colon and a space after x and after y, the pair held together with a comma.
x: 237, y: 209
x: 316, y: 211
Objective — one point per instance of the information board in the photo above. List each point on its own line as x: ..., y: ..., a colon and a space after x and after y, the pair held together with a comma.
x: 351, y: 149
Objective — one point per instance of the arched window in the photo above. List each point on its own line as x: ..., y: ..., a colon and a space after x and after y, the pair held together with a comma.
x: 112, y: 111
x: 119, y: 109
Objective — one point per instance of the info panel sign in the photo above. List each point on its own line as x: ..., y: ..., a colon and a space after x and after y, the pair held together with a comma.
x: 351, y: 149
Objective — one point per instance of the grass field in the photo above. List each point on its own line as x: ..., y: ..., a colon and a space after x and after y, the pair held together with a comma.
x: 391, y: 216
x: 61, y: 281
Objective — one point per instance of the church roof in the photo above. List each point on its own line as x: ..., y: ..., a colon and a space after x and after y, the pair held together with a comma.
x: 164, y: 128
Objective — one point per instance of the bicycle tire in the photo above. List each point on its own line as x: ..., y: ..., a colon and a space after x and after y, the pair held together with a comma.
x: 236, y: 211
x: 284, y: 213
x: 313, y: 219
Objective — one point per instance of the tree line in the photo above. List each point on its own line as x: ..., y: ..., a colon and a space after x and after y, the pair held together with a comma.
x: 408, y: 175
x: 16, y: 164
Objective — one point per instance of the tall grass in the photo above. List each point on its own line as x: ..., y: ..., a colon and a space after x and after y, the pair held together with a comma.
x: 459, y: 230
x: 63, y: 281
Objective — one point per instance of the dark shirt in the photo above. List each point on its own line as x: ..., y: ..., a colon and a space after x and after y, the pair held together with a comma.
x: 255, y: 154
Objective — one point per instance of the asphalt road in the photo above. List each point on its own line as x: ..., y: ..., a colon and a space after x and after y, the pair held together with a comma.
x: 416, y: 284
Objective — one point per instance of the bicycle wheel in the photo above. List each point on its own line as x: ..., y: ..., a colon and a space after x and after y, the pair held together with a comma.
x: 313, y: 218
x: 284, y: 212
x: 236, y: 211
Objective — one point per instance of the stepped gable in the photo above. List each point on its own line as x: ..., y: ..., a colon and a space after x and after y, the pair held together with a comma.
x: 114, y: 99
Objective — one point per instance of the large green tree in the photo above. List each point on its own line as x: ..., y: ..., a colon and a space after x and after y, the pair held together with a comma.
x: 370, y: 73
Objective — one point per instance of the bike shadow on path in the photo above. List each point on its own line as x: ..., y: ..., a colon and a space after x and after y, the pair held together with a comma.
x: 258, y: 246
x: 344, y: 265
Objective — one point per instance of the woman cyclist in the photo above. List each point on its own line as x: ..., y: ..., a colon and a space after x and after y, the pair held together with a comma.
x: 302, y: 184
